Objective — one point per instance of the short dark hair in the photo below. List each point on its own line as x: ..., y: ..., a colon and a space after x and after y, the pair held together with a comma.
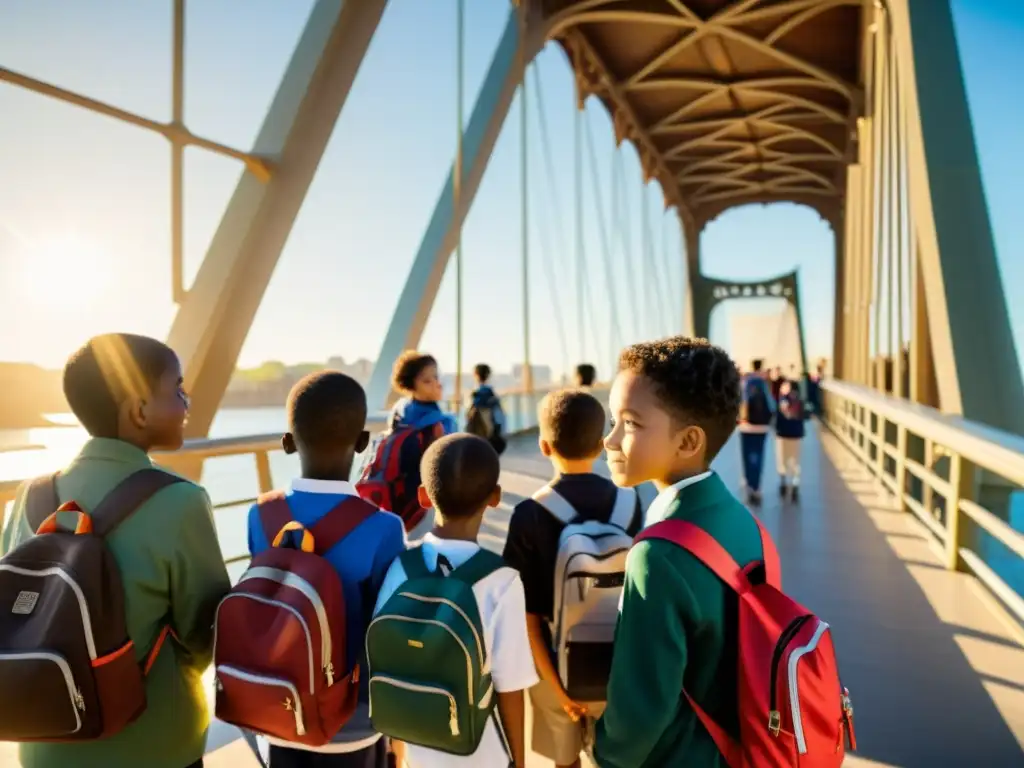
x: 327, y: 409
x: 573, y: 422
x: 757, y: 364
x: 586, y: 373
x: 482, y: 371
x: 408, y: 366
x: 459, y: 473
x: 107, y: 370
x: 696, y: 382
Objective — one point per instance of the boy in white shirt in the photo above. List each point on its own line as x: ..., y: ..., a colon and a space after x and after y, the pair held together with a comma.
x: 460, y: 476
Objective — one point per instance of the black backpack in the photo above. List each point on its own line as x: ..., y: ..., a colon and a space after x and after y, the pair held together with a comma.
x: 759, y: 413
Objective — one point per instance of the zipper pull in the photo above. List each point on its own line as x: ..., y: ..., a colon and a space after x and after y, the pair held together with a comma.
x: 453, y: 718
x: 79, y: 700
x: 329, y: 671
x: 774, y: 722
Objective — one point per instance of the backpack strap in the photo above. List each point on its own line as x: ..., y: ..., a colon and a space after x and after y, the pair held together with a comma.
x: 274, y: 513
x: 339, y: 522
x: 134, y: 491
x: 770, y: 555
x: 625, y: 508
x: 701, y: 545
x: 41, y: 500
x: 413, y: 564
x: 555, y: 503
x: 479, y: 566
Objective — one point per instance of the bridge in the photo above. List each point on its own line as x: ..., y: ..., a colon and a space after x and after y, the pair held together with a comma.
x: 902, y: 539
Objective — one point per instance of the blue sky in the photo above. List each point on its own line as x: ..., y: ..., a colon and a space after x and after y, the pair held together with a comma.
x: 72, y: 177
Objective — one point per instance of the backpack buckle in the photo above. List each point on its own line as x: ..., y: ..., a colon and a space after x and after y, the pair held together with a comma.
x: 774, y: 722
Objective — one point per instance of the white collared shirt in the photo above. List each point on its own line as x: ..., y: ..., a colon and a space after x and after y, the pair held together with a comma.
x: 663, y: 502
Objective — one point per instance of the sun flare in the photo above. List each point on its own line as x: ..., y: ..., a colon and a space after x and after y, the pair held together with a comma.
x: 66, y: 267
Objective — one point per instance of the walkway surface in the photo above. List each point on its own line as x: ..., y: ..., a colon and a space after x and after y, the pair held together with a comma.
x: 935, y: 668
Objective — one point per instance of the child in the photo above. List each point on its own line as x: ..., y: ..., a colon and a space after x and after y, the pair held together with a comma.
x: 586, y: 375
x: 789, y: 432
x: 127, y: 392
x: 674, y: 404
x: 572, y: 426
x: 460, y: 479
x: 327, y: 428
x: 485, y: 416
x: 415, y: 377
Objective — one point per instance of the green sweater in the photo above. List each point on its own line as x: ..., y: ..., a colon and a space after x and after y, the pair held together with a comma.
x: 677, y: 625
x: 173, y: 573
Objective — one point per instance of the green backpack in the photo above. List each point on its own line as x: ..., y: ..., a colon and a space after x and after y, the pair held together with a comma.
x: 430, y: 681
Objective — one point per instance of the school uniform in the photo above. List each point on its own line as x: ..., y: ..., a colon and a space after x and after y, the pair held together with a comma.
x: 172, y: 572
x: 532, y: 549
x: 361, y: 559
x: 499, y: 597
x: 678, y: 622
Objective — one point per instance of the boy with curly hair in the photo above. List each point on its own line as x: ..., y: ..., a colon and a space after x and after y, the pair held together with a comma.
x: 674, y: 404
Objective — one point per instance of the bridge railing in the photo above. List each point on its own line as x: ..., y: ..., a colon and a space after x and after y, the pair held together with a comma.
x: 949, y: 472
x: 235, y: 470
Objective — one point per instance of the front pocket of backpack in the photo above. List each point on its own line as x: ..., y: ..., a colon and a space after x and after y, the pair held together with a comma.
x: 419, y: 713
x: 41, y: 698
x: 261, y: 703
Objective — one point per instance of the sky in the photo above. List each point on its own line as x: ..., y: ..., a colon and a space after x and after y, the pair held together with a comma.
x: 85, y: 201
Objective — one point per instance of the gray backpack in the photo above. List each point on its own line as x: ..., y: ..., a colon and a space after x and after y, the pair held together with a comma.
x: 589, y: 573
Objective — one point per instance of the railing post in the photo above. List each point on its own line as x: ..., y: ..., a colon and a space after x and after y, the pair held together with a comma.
x: 880, y: 443
x: 961, y: 486
x: 901, y: 466
x: 926, y: 490
x: 263, y: 475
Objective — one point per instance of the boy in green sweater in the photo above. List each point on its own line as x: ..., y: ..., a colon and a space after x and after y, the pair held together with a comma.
x: 674, y: 404
x: 127, y: 392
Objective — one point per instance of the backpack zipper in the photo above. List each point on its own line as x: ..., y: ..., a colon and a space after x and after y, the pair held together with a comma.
x: 83, y: 606
x: 74, y: 695
x: 294, y: 704
x: 288, y: 579
x: 774, y: 716
x: 445, y: 627
x: 794, y: 688
x: 276, y: 604
x: 453, y: 707
x: 479, y: 645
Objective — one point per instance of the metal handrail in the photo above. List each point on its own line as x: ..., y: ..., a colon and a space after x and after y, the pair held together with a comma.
x: 861, y: 418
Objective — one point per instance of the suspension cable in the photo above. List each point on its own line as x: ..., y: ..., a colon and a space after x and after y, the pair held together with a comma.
x: 615, y: 331
x: 460, y: 46
x: 621, y: 224
x: 547, y: 256
x: 525, y: 209
x: 651, y: 277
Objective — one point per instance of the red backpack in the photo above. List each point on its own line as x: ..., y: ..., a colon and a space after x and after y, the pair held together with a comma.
x: 392, y: 478
x: 793, y: 708
x: 279, y: 643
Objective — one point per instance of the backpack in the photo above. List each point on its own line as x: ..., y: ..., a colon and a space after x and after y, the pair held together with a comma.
x: 793, y: 708
x: 791, y: 406
x: 279, y: 635
x: 427, y: 659
x: 590, y: 570
x: 391, y: 479
x: 64, y: 636
x: 480, y: 421
x: 759, y: 413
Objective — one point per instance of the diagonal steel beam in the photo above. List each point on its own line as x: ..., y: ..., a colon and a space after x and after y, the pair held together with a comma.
x: 215, y: 316
x: 515, y: 47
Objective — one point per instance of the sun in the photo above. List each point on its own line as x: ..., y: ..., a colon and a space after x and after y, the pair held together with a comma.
x: 63, y: 267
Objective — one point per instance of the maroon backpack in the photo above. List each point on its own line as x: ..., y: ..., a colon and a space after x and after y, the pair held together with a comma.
x: 279, y: 637
x: 391, y: 479
x: 63, y: 634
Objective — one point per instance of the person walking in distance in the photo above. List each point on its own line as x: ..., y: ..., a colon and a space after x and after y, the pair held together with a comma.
x: 756, y: 411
